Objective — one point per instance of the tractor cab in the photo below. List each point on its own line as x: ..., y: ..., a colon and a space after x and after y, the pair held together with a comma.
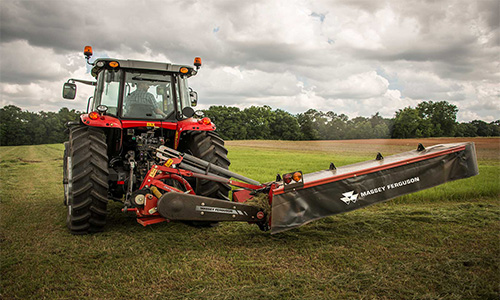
x: 139, y: 90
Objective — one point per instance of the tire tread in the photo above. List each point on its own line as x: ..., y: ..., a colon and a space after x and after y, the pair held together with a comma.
x: 87, y: 146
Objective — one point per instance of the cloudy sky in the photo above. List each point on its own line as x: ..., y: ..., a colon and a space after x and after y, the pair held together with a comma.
x: 348, y: 56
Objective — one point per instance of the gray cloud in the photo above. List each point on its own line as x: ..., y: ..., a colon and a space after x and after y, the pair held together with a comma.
x: 50, y: 24
x: 353, y: 56
x: 490, y: 12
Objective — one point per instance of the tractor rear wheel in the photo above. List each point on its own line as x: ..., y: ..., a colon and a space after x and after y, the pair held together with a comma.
x: 208, y: 146
x: 87, y: 174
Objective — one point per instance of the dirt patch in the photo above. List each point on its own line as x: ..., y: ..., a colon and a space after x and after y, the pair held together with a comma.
x: 29, y: 161
x: 487, y: 148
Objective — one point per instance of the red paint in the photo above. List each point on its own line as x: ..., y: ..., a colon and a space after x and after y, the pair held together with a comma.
x: 241, y: 196
x: 145, y: 221
x: 150, y: 203
x: 180, y: 126
x: 144, y: 218
x: 103, y: 121
x: 148, y: 123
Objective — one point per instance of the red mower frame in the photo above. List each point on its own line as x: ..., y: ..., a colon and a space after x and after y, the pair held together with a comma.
x: 147, y: 213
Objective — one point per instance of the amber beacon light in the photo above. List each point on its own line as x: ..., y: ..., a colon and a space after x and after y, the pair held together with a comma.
x: 87, y: 51
x: 197, y: 62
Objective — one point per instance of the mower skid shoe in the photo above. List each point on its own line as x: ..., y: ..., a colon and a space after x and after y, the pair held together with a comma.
x: 186, y: 207
x: 347, y: 188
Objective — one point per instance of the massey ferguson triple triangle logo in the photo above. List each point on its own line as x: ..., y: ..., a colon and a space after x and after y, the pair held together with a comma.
x: 349, y: 197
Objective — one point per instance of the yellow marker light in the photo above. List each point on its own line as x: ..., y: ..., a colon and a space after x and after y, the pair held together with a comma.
x: 297, y: 176
x: 184, y: 70
x: 113, y: 64
x: 94, y: 115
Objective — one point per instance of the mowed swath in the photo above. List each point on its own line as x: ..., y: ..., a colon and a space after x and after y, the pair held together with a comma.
x: 438, y: 243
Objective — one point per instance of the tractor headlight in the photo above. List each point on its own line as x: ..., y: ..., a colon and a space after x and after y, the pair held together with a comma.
x: 102, y: 109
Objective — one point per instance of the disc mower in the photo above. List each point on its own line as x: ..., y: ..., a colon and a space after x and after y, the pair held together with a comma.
x: 293, y: 199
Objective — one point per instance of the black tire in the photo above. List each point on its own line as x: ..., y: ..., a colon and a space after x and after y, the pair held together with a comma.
x: 88, y: 180
x: 208, y: 146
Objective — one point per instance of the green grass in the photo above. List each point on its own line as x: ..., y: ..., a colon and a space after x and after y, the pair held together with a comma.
x: 442, y: 243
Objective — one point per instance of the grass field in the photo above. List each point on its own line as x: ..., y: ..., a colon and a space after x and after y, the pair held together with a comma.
x: 442, y: 243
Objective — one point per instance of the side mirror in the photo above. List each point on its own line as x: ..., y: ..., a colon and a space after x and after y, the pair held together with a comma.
x: 69, y: 90
x: 194, y: 97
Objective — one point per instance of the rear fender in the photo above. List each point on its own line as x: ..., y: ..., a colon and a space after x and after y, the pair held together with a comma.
x: 112, y: 128
x: 191, y: 124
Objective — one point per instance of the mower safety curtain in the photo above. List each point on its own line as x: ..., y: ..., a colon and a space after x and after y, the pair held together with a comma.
x: 330, y: 192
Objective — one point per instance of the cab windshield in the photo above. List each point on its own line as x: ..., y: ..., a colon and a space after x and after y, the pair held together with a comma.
x: 148, y: 96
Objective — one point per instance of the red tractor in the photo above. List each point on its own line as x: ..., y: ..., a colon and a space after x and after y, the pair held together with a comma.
x: 140, y: 144
x: 137, y: 106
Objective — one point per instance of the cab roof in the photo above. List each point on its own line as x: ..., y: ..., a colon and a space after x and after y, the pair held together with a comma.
x: 140, y: 65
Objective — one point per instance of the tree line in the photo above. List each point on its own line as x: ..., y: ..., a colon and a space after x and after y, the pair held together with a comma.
x: 18, y: 127
x: 427, y: 119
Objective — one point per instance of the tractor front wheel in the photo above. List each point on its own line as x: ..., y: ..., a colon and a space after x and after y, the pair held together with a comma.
x: 87, y: 175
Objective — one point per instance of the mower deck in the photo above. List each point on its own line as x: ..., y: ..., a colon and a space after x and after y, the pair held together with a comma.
x: 306, y: 198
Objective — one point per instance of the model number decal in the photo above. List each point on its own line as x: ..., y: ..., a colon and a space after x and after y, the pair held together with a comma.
x: 220, y: 210
x: 153, y: 172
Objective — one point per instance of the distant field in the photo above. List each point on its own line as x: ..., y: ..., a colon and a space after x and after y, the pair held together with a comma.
x: 487, y: 148
x: 441, y: 243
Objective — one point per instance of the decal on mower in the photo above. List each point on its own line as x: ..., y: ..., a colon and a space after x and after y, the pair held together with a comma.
x: 150, y: 124
x: 349, y: 197
x: 220, y: 210
x: 403, y: 183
